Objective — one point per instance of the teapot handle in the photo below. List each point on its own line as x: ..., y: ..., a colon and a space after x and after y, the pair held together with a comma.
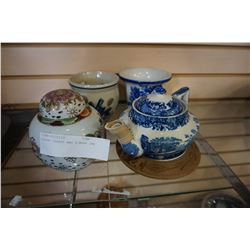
x: 183, y: 94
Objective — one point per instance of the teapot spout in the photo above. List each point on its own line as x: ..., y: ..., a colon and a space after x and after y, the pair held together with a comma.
x: 119, y: 129
x: 182, y: 94
x: 125, y: 138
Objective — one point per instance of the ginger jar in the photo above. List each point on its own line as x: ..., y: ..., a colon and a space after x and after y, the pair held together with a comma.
x: 64, y: 112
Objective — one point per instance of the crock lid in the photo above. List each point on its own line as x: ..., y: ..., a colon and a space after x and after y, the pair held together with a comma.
x: 61, y: 104
x: 158, y: 105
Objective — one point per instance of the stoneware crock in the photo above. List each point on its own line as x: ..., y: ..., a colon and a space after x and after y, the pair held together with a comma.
x: 158, y: 126
x: 143, y: 81
x: 99, y: 88
x: 64, y: 112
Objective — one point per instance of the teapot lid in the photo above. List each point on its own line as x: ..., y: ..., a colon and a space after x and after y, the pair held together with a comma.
x: 158, y: 105
x: 61, y: 104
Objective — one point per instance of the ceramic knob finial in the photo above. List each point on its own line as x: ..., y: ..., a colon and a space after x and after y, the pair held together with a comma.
x: 61, y: 104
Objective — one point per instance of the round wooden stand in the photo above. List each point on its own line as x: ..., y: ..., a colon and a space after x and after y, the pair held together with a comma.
x: 160, y: 169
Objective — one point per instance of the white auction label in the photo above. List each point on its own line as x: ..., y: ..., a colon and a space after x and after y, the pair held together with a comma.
x: 74, y: 146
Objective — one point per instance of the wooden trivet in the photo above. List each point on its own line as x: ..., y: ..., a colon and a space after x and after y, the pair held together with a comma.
x: 160, y: 169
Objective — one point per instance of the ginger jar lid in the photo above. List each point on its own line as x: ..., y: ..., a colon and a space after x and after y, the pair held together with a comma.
x: 158, y: 105
x: 61, y: 105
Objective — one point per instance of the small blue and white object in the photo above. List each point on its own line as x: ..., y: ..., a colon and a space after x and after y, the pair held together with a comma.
x: 143, y: 81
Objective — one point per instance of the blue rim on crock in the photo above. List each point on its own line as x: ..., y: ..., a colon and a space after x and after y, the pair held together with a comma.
x: 143, y: 82
x: 96, y: 88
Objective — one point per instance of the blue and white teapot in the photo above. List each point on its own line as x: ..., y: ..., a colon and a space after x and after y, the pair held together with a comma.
x: 158, y: 126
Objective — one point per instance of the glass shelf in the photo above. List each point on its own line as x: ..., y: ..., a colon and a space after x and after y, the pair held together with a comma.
x: 192, y: 189
x: 39, y: 186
